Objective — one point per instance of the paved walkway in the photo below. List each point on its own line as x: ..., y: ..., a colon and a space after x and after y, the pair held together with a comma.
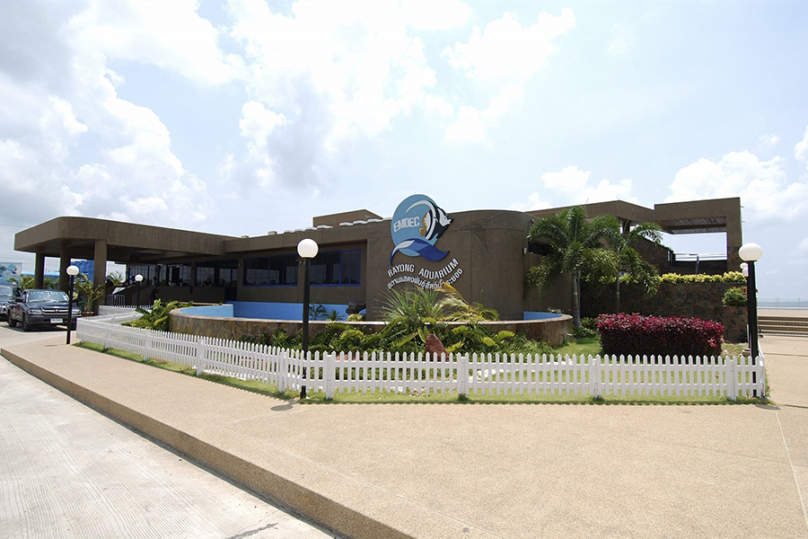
x: 478, y: 471
x: 68, y: 471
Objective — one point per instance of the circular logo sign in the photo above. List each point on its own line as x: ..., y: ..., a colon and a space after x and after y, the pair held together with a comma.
x: 417, y: 224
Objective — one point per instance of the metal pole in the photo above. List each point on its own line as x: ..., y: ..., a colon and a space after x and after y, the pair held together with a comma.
x: 751, y: 302
x: 138, y: 294
x: 305, y: 340
x: 70, y: 310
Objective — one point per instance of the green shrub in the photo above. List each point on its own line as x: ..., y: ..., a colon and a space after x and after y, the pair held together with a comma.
x: 728, y: 277
x: 735, y: 297
x: 157, y: 318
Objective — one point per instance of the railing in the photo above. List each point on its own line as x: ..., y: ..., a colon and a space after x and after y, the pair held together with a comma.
x: 463, y: 374
x: 115, y: 309
x: 783, y: 303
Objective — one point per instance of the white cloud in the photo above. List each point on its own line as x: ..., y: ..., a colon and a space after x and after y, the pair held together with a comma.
x: 356, y: 58
x: 506, y: 49
x: 621, y: 42
x: 170, y: 35
x: 571, y: 186
x: 471, y: 123
x: 503, y: 57
x: 67, y: 137
x: 257, y: 124
x: 803, y: 246
x: 534, y: 202
x: 434, y: 14
x: 801, y: 149
x: 762, y: 185
x: 768, y: 141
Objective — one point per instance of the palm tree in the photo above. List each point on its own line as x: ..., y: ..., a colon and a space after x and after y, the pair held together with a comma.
x: 630, y: 261
x: 27, y: 282
x: 576, y: 247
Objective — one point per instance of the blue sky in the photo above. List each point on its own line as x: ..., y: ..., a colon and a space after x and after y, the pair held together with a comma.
x: 244, y: 116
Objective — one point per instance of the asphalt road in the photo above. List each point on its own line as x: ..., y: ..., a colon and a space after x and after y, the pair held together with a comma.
x: 68, y: 471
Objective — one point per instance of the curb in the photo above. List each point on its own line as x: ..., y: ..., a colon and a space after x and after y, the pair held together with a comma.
x: 316, y: 507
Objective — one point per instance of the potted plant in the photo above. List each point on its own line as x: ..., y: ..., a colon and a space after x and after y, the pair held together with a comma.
x: 88, y: 294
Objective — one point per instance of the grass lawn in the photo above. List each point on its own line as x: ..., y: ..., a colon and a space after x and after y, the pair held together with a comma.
x: 580, y: 347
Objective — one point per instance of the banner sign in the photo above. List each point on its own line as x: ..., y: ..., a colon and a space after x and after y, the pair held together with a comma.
x: 10, y: 270
x: 416, y: 225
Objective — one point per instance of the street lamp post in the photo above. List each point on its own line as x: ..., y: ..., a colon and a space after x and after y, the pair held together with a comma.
x: 138, y: 280
x: 307, y: 249
x: 751, y: 253
x: 72, y: 271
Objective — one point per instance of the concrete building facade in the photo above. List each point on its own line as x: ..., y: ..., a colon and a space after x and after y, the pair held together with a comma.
x: 482, y: 253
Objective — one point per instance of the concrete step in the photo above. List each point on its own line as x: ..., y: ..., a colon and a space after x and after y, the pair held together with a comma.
x: 782, y: 325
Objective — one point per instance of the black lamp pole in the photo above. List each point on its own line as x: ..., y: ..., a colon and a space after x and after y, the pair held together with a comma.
x: 751, y: 253
x: 306, y: 299
x: 70, y: 310
x: 307, y: 249
x: 71, y: 271
x: 751, y: 304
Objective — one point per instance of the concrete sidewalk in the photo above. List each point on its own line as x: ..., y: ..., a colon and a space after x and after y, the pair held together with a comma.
x: 484, y: 471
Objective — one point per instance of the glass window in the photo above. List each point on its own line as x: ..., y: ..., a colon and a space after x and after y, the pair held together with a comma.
x: 351, y: 267
x: 205, y: 274
x: 272, y: 270
x: 256, y: 271
x: 228, y: 272
x: 290, y: 270
x: 336, y: 268
x: 148, y: 271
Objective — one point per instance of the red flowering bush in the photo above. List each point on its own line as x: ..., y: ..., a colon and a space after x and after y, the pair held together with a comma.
x: 653, y: 335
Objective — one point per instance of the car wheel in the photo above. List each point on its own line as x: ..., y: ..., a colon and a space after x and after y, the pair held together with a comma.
x: 25, y: 325
x: 11, y: 322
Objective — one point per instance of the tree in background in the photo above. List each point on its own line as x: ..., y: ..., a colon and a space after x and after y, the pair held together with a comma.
x: 26, y: 282
x: 577, y: 247
x: 115, y: 277
x: 630, y: 262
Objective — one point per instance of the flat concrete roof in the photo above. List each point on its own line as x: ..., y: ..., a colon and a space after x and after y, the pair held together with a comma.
x: 132, y: 243
x: 128, y: 242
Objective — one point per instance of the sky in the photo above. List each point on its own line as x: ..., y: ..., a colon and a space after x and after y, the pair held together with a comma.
x: 240, y: 117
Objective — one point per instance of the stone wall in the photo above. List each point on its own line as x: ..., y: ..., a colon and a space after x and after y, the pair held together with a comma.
x: 686, y: 300
x: 552, y: 331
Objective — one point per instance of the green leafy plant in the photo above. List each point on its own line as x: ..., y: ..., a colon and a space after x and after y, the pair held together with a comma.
x: 115, y: 277
x: 735, y: 297
x: 157, y: 318
x: 317, y: 312
x: 88, y: 294
x: 576, y: 248
x: 27, y: 282
x: 334, y: 315
x: 456, y: 307
x: 728, y: 277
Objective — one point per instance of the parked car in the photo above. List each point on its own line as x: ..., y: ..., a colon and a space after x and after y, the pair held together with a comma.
x: 40, y: 308
x: 7, y: 294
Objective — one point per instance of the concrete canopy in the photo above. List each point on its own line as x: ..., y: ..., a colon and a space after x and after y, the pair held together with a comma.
x: 101, y: 240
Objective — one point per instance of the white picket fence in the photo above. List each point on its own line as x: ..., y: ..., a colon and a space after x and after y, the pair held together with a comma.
x: 461, y: 374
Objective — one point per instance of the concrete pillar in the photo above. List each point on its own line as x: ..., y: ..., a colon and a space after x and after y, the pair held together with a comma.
x: 100, y: 269
x: 64, y: 262
x: 734, y: 240
x: 39, y: 271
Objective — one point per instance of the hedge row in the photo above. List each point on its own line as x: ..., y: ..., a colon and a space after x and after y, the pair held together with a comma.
x: 728, y: 277
x: 624, y: 334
